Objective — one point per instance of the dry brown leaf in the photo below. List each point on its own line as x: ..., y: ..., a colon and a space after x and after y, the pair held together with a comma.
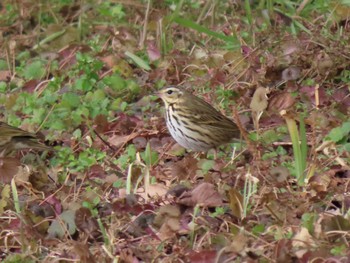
x: 291, y: 73
x: 320, y: 182
x: 119, y: 140
x: 153, y: 51
x: 303, y: 239
x: 86, y: 223
x: 203, y: 195
x: 238, y: 243
x: 289, y: 48
x: 168, y: 219
x: 154, y: 190
x: 127, y: 256
x: 235, y: 202
x: 278, y: 174
x: 81, y: 251
x: 206, y: 256
x: 5, y: 75
x: 181, y: 170
x: 323, y: 62
x: 9, y: 167
x: 141, y: 143
x: 281, y: 101
x: 283, y: 251
x: 110, y: 60
x: 259, y: 101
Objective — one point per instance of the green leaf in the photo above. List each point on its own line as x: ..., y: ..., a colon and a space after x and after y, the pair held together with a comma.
x: 150, y: 157
x: 35, y: 70
x: 338, y: 133
x: 57, y: 229
x: 308, y: 221
x: 258, y: 229
x: 206, y: 165
x: 3, y: 64
x: 3, y: 87
x: 115, y: 82
x: 70, y: 100
x: 201, y: 29
x: 138, y: 61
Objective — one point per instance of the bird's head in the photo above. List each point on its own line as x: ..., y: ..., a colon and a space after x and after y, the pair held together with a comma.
x: 170, y: 95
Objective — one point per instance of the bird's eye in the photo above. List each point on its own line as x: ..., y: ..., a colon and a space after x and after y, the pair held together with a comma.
x: 169, y: 92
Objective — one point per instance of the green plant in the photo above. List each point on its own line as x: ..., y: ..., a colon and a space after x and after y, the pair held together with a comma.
x: 250, y: 188
x: 299, y: 144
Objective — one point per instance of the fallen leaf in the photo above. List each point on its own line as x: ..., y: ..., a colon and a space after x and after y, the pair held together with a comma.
x: 278, y: 174
x: 168, y: 219
x: 303, y: 239
x: 154, y: 190
x: 203, y: 195
x: 9, y: 167
x: 323, y: 62
x: 259, y: 101
x: 238, y: 243
x: 63, y: 223
x: 291, y: 73
x: 281, y: 101
x: 153, y: 51
x: 5, y: 75
x: 235, y: 202
x: 119, y: 140
x: 4, y: 197
x: 86, y: 223
x: 207, y: 256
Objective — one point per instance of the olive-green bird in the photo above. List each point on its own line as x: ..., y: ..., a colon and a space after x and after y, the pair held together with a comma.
x: 12, y: 139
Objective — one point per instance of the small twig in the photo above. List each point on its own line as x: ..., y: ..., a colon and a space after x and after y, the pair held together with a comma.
x: 104, y: 141
x: 144, y: 31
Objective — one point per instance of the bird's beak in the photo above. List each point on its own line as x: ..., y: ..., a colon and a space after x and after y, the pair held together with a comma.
x: 158, y: 94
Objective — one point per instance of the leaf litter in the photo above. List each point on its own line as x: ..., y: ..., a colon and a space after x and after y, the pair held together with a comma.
x: 118, y: 187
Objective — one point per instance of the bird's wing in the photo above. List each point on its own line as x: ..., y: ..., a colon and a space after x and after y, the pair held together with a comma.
x: 10, y: 131
x: 207, y: 115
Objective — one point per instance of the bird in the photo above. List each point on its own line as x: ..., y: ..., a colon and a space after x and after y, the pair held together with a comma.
x: 194, y: 123
x: 12, y: 139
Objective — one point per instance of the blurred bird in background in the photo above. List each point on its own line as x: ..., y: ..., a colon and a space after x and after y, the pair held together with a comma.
x: 12, y: 139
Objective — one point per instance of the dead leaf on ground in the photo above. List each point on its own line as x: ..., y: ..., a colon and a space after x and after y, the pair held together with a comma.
x: 63, y: 224
x: 291, y: 73
x: 4, y: 197
x: 168, y: 219
x: 308, y: 93
x: 278, y: 174
x: 5, y: 75
x: 153, y: 51
x: 206, y: 256
x: 181, y: 170
x: 323, y: 62
x: 320, y: 182
x: 281, y: 101
x: 238, y: 244
x: 203, y: 195
x: 9, y: 167
x: 86, y: 223
x: 283, y: 251
x: 258, y: 104
x: 303, y: 239
x: 235, y: 202
x: 119, y: 140
x: 154, y: 190
x: 80, y: 251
